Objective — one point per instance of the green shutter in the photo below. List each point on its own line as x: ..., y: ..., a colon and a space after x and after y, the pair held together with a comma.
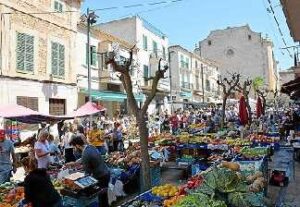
x: 182, y: 61
x: 20, y: 51
x: 86, y: 54
x: 145, y: 42
x: 25, y: 52
x: 164, y: 53
x: 61, y: 60
x: 154, y: 47
x: 54, y: 58
x: 60, y: 7
x: 93, y: 56
x: 146, y: 71
x: 29, y: 58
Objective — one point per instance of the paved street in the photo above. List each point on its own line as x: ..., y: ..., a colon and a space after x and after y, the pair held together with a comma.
x: 286, y: 196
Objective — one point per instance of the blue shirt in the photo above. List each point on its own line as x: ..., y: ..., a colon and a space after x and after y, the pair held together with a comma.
x: 6, y: 150
x: 93, y: 163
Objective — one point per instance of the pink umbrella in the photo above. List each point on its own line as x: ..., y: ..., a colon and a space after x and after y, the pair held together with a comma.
x: 243, y: 113
x: 88, y: 109
x: 14, y: 110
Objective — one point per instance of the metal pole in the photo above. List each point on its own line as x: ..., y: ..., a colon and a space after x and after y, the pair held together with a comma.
x: 202, y: 78
x: 170, y: 76
x: 89, y: 53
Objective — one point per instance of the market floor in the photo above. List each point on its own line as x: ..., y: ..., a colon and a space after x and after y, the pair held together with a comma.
x: 286, y: 196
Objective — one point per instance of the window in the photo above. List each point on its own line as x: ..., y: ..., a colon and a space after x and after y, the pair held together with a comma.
x: 209, y: 42
x: 197, y: 82
x: 113, y: 87
x: 230, y: 53
x: 145, y: 42
x: 58, y: 59
x: 57, y: 107
x: 93, y: 55
x: 187, y: 62
x: 103, y: 59
x: 164, y: 53
x: 25, y: 52
x: 29, y: 102
x: 58, y: 6
x: 182, y: 61
x: 146, y: 74
x: 207, y: 85
x: 196, y: 64
x: 154, y: 47
x: 146, y: 71
x: 249, y: 37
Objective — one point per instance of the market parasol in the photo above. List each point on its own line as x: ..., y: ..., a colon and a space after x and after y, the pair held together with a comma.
x: 87, y: 109
x: 259, y: 107
x: 25, y: 115
x: 14, y: 111
x: 243, y: 113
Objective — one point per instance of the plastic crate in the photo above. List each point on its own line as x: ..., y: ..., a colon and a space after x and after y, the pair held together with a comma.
x: 80, y: 202
x: 195, y: 169
x: 155, y: 174
x: 185, y: 161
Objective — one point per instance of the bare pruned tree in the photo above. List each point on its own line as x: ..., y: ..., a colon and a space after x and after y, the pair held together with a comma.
x: 228, y: 86
x: 140, y: 112
x: 245, y: 89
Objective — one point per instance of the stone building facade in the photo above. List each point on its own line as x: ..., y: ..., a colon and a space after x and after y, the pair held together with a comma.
x: 151, y: 45
x: 241, y: 50
x: 37, y: 66
x: 107, y: 89
x: 194, y: 79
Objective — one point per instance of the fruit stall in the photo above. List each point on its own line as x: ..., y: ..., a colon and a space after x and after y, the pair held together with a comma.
x: 219, y: 186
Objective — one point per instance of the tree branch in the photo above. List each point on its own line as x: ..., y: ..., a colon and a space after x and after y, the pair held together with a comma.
x: 129, y: 62
x: 159, y: 74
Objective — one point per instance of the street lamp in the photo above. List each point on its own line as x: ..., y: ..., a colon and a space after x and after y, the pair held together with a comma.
x: 90, y: 18
x: 170, y: 77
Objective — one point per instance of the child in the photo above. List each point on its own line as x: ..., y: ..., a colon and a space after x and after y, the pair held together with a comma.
x: 54, y: 150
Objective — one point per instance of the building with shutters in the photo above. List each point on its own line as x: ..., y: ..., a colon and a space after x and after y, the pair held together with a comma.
x: 241, y: 50
x: 107, y: 89
x: 194, y: 79
x: 151, y: 45
x: 37, y: 67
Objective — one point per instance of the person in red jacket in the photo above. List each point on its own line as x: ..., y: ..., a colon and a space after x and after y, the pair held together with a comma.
x: 174, y: 122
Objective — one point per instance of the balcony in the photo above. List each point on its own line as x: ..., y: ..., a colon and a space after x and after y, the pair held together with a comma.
x: 186, y: 85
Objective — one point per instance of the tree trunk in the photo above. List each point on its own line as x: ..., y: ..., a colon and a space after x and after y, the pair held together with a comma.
x: 249, y: 109
x: 223, y: 112
x: 145, y: 165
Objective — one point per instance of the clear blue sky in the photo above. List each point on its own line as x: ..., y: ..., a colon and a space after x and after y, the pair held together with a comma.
x: 189, y: 21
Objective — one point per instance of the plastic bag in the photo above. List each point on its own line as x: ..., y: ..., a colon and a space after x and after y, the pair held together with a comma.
x: 63, y: 174
x: 110, y: 194
x: 118, y: 189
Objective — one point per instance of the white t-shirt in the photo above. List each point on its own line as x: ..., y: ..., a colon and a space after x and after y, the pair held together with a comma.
x: 43, y: 162
x: 67, y: 139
